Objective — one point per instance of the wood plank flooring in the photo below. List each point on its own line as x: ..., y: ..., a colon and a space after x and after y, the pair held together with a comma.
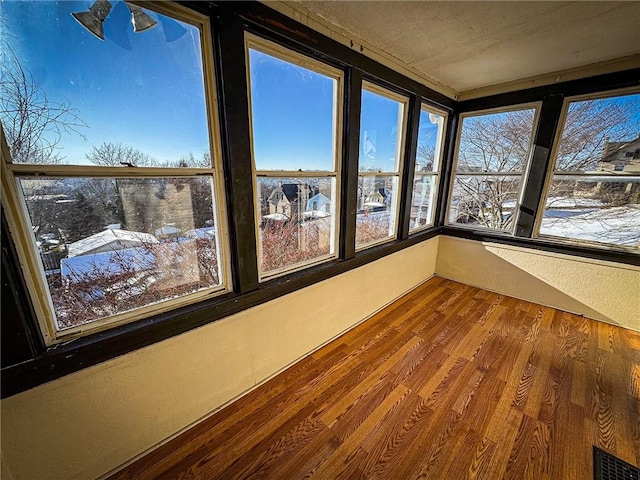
x: 449, y: 382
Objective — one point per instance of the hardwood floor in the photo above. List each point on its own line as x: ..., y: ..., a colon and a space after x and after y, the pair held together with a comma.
x: 449, y: 382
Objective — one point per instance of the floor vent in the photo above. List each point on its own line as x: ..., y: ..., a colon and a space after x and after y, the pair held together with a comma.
x: 608, y: 467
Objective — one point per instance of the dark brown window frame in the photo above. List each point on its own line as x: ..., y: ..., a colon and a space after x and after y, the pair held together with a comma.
x: 26, y: 362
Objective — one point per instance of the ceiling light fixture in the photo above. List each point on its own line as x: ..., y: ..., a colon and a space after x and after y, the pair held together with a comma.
x: 140, y: 20
x: 94, y: 18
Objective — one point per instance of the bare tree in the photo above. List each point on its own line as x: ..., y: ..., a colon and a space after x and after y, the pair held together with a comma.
x: 499, y: 144
x: 117, y: 154
x: 32, y: 123
x: 589, y: 125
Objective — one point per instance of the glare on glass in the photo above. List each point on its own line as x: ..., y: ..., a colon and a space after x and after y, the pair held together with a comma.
x: 293, y: 110
x: 380, y: 133
x: 297, y: 221
x: 110, y: 245
x: 430, y: 131
x: 133, y: 99
x: 422, y: 201
x: 375, y: 217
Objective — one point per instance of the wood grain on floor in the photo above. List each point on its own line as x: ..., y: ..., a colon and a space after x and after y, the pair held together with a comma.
x: 450, y: 381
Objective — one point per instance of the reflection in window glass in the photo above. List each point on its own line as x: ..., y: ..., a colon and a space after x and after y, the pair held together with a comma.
x: 293, y: 114
x: 377, y: 202
x: 427, y: 165
x: 297, y: 220
x: 492, y: 156
x: 110, y: 245
x: 422, y: 201
x: 134, y: 98
x: 430, y: 131
x: 600, y: 146
x: 380, y: 133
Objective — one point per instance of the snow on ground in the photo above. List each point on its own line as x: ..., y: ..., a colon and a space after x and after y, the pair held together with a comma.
x: 616, y: 225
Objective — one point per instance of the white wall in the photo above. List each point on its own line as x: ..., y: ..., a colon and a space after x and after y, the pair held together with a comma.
x: 84, y: 425
x: 604, y: 291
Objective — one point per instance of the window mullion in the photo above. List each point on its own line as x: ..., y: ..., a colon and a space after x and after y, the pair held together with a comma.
x: 550, y: 113
x: 236, y: 144
x: 406, y: 182
x: 351, y: 146
x: 446, y: 170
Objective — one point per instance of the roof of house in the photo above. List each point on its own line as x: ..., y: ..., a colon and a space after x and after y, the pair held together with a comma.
x: 106, y: 264
x: 107, y: 237
x: 612, y: 149
x: 291, y: 191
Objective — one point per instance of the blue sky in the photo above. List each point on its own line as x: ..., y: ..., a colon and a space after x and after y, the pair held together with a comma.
x: 292, y: 114
x: 133, y: 88
x: 144, y: 91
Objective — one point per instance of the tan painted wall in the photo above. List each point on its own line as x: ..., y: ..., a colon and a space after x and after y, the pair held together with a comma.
x: 605, y: 291
x: 88, y: 423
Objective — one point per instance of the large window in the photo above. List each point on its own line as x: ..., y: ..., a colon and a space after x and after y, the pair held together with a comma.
x: 110, y: 176
x: 382, y: 132
x: 427, y: 168
x: 295, y: 113
x: 491, y: 160
x: 593, y: 195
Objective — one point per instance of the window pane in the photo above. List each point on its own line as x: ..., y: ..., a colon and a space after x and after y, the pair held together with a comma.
x: 134, y: 98
x: 294, y: 115
x: 430, y: 131
x: 600, y: 209
x: 496, y: 142
x: 380, y: 133
x: 297, y: 220
x: 112, y: 245
x: 485, y: 201
x: 376, y: 217
x: 601, y: 135
x: 422, y: 201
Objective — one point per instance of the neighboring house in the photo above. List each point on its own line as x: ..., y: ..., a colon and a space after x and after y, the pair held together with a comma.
x: 108, y: 241
x: 319, y: 202
x: 377, y: 200
x: 290, y: 199
x: 623, y: 157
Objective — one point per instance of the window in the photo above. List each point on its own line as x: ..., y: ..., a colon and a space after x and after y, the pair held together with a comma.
x: 110, y: 176
x: 382, y: 132
x: 427, y: 168
x: 296, y: 124
x: 593, y: 195
x: 491, y: 159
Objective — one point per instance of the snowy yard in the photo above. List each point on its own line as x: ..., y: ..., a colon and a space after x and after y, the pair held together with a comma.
x: 615, y: 225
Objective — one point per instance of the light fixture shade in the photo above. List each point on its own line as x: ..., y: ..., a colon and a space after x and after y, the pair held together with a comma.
x: 141, y: 21
x: 94, y: 18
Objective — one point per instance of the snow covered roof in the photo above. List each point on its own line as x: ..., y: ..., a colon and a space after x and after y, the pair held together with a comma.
x: 199, y: 233
x: 107, y: 264
x: 278, y: 217
x: 107, y: 237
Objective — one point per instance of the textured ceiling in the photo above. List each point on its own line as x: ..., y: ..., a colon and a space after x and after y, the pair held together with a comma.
x: 470, y: 45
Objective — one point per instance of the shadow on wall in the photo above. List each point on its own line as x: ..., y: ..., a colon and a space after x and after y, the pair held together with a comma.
x: 602, y: 291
